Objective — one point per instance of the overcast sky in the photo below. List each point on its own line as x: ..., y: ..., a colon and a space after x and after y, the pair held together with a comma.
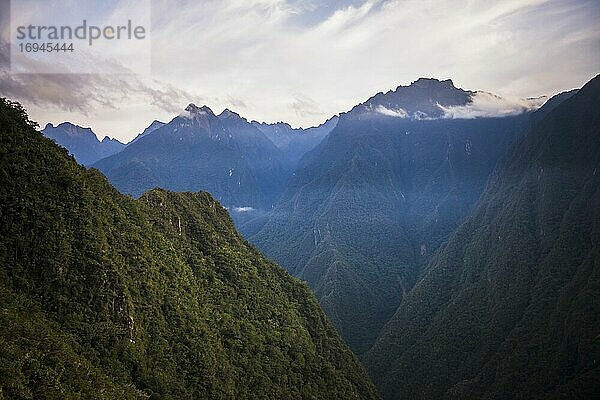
x: 303, y: 61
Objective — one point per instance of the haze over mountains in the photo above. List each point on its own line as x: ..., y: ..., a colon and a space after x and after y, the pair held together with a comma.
x: 449, y: 235
x: 295, y: 142
x: 198, y: 151
x: 368, y: 207
x: 226, y: 155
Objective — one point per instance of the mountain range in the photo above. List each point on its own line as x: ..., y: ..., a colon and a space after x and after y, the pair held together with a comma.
x: 367, y: 208
x: 508, y: 308
x: 82, y: 142
x: 243, y: 164
x: 450, y: 235
x: 104, y: 296
x: 356, y: 206
x: 295, y: 142
x: 197, y: 150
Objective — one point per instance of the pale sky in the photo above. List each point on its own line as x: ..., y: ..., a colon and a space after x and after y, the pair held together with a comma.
x: 304, y: 61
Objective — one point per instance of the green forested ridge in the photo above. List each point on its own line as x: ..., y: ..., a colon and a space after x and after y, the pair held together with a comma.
x: 508, y: 308
x: 103, y: 296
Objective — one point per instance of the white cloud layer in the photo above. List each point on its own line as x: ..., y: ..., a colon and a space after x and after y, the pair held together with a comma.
x: 484, y: 104
x: 397, y: 113
x: 242, y: 209
x: 303, y: 61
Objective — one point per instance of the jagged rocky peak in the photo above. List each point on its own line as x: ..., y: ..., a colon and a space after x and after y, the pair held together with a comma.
x: 154, y: 125
x: 229, y: 114
x: 274, y: 124
x: 108, y: 140
x: 69, y: 129
x: 425, y: 98
x: 431, y: 98
x: 82, y: 142
x: 432, y: 82
x: 192, y: 111
x: 199, y: 117
x: 74, y: 129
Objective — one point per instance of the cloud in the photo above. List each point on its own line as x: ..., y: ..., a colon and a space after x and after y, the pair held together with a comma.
x: 242, y: 209
x: 304, y: 106
x: 343, y: 56
x: 85, y: 93
x: 303, y: 61
x: 164, y: 96
x: 397, y: 113
x: 236, y: 103
x: 486, y: 105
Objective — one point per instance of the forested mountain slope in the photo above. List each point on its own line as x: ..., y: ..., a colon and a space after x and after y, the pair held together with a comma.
x: 369, y: 206
x: 103, y: 296
x: 508, y: 308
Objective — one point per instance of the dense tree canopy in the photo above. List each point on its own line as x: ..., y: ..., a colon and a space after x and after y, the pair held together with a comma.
x: 103, y: 296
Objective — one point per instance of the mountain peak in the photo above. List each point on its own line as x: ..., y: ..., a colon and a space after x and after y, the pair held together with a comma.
x: 431, y: 83
x: 156, y: 124
x: 425, y: 98
x: 227, y: 113
x: 194, y: 108
x: 280, y: 124
x: 426, y: 80
x: 107, y: 140
x: 73, y: 129
x: 82, y: 142
x: 153, y: 126
x: 192, y: 111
